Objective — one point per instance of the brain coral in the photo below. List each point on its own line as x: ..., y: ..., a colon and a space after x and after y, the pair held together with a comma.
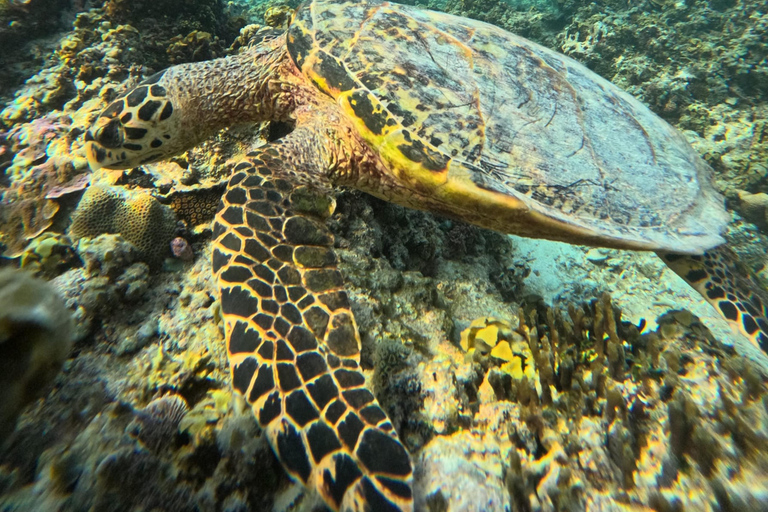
x: 137, y: 216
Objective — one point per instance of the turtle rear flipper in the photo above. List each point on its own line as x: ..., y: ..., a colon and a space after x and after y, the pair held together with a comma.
x: 726, y: 284
x: 293, y: 345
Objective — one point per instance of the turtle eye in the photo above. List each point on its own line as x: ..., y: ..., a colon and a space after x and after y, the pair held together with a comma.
x: 109, y: 135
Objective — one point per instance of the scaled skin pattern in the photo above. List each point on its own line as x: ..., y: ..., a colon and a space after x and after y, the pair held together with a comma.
x: 36, y: 335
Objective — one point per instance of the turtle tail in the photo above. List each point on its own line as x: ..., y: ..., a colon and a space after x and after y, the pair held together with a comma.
x: 293, y: 345
x: 728, y: 285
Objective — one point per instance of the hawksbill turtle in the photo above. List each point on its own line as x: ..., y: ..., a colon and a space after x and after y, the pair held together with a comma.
x: 429, y: 111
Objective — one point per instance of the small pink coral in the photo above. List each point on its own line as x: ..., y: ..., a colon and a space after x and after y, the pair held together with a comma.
x: 181, y: 249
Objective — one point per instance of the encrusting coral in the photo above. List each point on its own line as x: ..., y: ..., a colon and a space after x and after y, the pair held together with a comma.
x: 196, y: 206
x: 48, y: 255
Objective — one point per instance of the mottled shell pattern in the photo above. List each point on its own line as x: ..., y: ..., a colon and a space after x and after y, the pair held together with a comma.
x: 466, y: 113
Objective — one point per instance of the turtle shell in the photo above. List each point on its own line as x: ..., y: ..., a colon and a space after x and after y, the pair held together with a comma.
x: 480, y: 124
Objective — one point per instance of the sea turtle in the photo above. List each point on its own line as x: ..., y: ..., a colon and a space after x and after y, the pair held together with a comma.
x: 426, y: 110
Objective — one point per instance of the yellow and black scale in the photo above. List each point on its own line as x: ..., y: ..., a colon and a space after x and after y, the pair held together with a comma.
x: 429, y: 111
x: 292, y: 340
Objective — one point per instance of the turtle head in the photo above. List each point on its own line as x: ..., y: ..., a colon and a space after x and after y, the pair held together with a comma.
x: 180, y: 107
x: 142, y: 126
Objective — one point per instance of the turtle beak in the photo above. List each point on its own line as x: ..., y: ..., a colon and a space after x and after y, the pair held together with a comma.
x: 94, y: 154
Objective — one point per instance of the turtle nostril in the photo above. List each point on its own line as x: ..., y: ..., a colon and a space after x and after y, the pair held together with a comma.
x: 109, y: 135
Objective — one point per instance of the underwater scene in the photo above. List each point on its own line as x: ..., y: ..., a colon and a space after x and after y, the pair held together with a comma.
x: 439, y: 255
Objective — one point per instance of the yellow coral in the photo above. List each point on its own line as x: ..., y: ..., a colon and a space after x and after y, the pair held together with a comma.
x: 495, y: 337
x: 278, y: 16
x: 487, y: 330
x: 201, y: 421
x: 137, y: 216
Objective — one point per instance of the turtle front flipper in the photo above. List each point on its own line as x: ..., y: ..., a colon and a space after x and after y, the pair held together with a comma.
x: 726, y: 284
x: 293, y: 345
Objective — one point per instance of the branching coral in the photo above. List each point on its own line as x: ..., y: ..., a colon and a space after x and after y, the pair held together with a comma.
x: 544, y: 349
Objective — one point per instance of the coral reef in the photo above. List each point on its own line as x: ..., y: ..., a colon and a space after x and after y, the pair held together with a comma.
x: 48, y: 255
x: 196, y: 206
x: 157, y: 17
x: 754, y: 207
x: 472, y: 481
x: 23, y: 220
x: 611, y: 415
x: 503, y: 402
x: 106, y: 44
x: 195, y: 46
x: 278, y: 16
x: 41, y: 172
x: 117, y: 432
x: 735, y: 143
x: 94, y: 55
x: 110, y: 278
x: 24, y: 36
